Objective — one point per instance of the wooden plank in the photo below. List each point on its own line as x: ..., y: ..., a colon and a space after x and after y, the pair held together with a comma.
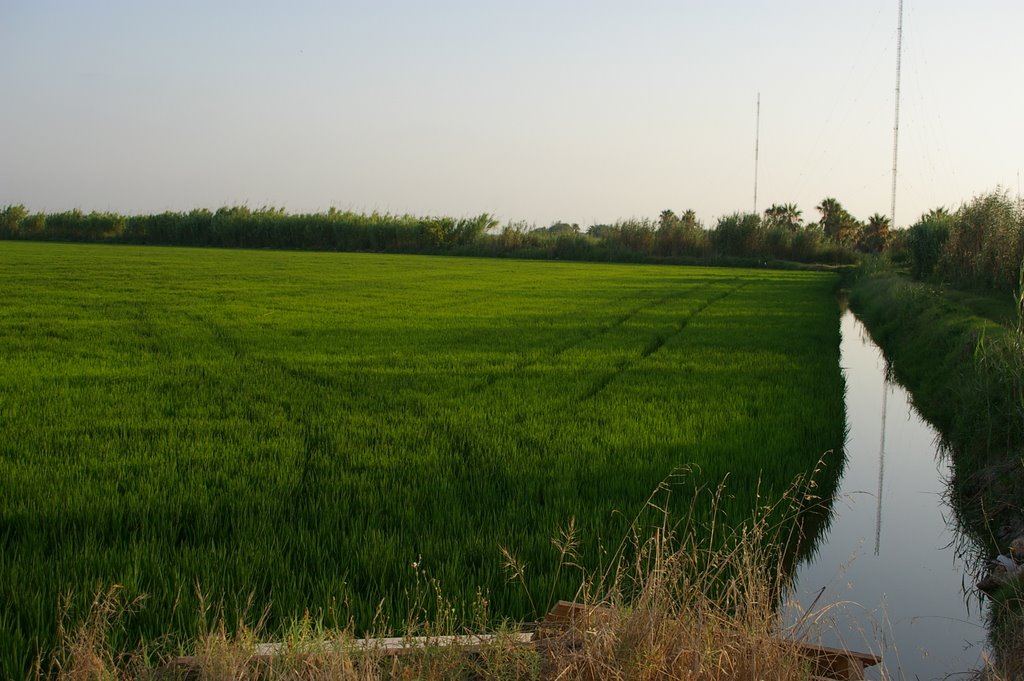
x: 397, y: 645
x: 566, y: 612
x: 869, y: 659
x: 836, y: 663
x: 469, y: 643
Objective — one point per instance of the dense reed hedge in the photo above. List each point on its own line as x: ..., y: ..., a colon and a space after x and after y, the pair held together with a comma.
x: 980, y: 245
x: 737, y: 236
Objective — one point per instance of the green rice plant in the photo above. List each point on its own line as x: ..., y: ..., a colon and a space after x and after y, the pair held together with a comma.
x: 300, y: 429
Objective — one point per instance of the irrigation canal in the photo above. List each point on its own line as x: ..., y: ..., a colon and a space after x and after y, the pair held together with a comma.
x: 891, y: 559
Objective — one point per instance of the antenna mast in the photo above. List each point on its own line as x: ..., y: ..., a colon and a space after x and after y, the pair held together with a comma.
x: 896, y: 124
x: 757, y: 144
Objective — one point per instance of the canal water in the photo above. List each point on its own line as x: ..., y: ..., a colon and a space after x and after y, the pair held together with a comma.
x: 890, y: 561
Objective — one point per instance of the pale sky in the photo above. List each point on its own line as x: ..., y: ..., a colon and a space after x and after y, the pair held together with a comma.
x: 535, y: 111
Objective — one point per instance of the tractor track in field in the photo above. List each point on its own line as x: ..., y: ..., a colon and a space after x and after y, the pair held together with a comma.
x: 232, y: 346
x: 463, y: 441
x: 656, y: 344
x: 220, y: 335
x: 587, y: 335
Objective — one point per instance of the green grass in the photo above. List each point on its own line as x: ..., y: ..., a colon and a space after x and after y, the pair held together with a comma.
x: 961, y: 355
x: 997, y: 306
x: 299, y: 428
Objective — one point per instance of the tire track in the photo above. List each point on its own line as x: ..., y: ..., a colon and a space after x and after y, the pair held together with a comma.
x: 656, y: 344
x: 220, y: 336
x: 584, y: 337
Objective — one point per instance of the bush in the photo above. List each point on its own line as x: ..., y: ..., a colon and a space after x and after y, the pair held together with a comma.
x: 979, y: 246
x: 738, y: 234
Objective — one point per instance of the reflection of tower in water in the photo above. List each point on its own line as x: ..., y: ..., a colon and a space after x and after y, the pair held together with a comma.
x: 892, y: 220
x: 881, y: 463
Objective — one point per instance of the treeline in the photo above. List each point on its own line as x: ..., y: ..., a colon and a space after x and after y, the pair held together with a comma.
x: 778, y: 234
x: 242, y: 227
x: 980, y: 245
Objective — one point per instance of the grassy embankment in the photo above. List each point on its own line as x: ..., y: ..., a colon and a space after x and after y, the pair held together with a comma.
x: 962, y: 356
x: 338, y: 433
x: 956, y: 351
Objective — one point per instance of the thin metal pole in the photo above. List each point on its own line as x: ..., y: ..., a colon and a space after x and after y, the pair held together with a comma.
x: 757, y: 145
x: 896, y: 124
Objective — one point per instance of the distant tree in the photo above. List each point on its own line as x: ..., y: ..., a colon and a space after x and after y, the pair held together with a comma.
x: 633, y: 235
x: 831, y: 217
x: 926, y: 240
x: 986, y: 243
x: 680, y: 235
x: 468, y: 230
x: 10, y: 220
x: 849, y: 233
x: 513, y: 236
x: 875, y: 234
x: 738, y: 234
x: 807, y: 243
x: 563, y: 228
x: 34, y: 225
x: 837, y: 223
x: 786, y: 216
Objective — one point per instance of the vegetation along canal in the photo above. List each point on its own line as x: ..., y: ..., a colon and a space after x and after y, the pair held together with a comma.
x: 891, y: 558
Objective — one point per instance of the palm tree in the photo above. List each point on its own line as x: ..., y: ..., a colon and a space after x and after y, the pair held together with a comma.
x: 783, y: 215
x: 689, y: 218
x: 940, y: 213
x: 667, y: 219
x: 830, y: 210
x: 875, y: 234
x: 794, y: 216
x: 837, y: 223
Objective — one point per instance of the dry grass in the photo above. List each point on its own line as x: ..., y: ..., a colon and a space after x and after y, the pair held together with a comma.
x: 675, y: 609
x: 87, y: 651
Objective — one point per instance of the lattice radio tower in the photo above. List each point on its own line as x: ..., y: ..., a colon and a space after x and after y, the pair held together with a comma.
x: 896, y: 124
x: 757, y: 146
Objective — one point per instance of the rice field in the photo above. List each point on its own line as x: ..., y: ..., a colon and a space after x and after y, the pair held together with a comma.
x: 328, y: 432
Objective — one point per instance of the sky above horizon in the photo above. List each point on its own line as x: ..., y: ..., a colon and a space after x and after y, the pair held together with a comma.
x: 583, y: 112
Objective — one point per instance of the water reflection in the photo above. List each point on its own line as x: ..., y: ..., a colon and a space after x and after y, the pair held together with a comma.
x: 906, y: 598
x: 881, y: 463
